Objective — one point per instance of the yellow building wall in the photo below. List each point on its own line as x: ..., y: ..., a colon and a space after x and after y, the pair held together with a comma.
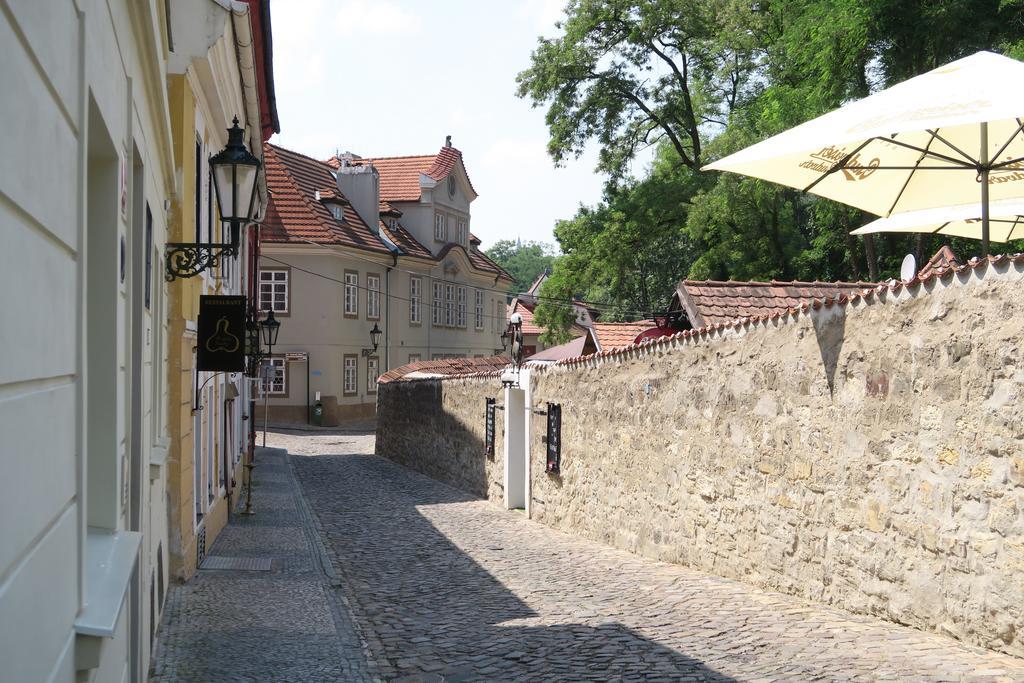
x: 184, y: 306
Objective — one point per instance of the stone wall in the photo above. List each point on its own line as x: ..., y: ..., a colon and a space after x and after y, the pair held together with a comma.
x: 869, y: 455
x: 437, y: 428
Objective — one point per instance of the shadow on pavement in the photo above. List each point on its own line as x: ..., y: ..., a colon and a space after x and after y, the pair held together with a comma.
x: 431, y: 612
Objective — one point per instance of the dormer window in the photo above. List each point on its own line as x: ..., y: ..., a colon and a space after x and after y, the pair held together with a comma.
x: 336, y: 211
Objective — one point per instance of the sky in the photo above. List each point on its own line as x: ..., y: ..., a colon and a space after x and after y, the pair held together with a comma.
x: 394, y: 77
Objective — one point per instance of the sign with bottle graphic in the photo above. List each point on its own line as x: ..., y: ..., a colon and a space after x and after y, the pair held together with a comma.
x: 221, y: 346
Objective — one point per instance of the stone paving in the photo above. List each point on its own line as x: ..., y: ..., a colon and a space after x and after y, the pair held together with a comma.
x: 448, y: 587
x: 286, y: 624
x: 417, y: 581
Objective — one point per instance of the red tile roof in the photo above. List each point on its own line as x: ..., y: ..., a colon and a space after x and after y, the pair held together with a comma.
x: 400, y: 176
x: 294, y: 215
x: 616, y: 335
x: 447, y: 367
x: 529, y: 326
x: 404, y: 240
x: 870, y: 294
x: 943, y: 258
x: 710, y: 302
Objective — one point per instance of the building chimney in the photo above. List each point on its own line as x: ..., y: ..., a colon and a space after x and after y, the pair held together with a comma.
x: 360, y: 184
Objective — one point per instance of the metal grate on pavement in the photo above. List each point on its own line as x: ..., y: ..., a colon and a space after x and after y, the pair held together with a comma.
x: 251, y: 564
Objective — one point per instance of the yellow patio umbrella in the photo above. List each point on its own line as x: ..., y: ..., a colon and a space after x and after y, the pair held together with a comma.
x: 950, y: 137
x: 1006, y: 221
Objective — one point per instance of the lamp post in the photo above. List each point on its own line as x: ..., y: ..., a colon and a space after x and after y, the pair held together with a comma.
x: 252, y: 341
x: 269, y: 327
x: 235, y: 171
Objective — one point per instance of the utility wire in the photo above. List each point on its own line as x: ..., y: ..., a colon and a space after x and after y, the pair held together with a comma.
x: 600, y: 306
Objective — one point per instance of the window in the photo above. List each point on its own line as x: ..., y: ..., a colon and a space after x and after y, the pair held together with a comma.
x: 350, y: 381
x: 278, y: 381
x: 478, y: 309
x: 373, y: 296
x: 148, y: 298
x: 415, y: 292
x: 351, y: 294
x: 449, y: 305
x: 372, y: 373
x: 414, y: 358
x: 336, y: 211
x: 440, y: 232
x: 463, y: 232
x: 274, y: 291
x: 435, y: 316
x: 199, y: 190
x: 461, y: 319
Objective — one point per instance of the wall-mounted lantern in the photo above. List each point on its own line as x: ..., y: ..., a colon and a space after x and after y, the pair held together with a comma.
x: 553, y: 439
x: 515, y: 330
x: 504, y: 340
x: 235, y: 171
x: 270, y: 326
x: 375, y: 334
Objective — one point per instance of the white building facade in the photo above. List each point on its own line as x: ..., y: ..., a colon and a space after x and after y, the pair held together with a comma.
x: 86, y: 169
x: 352, y: 243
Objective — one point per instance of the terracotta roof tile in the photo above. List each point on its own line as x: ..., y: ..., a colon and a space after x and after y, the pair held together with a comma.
x: 294, y: 215
x: 404, y: 240
x: 617, y: 335
x: 446, y: 367
x: 400, y: 176
x: 943, y: 258
x: 710, y: 302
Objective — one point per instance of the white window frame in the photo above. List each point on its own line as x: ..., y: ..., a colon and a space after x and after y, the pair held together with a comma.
x: 449, y: 305
x: 463, y: 232
x: 279, y: 378
x: 437, y: 313
x: 478, y: 309
x: 350, y: 380
x: 460, y: 313
x: 372, y: 296
x: 274, y: 285
x: 351, y: 293
x: 440, y: 228
x: 337, y: 211
x: 415, y: 294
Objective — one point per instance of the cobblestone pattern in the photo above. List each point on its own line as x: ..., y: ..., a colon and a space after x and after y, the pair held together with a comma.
x: 447, y: 587
x: 287, y: 624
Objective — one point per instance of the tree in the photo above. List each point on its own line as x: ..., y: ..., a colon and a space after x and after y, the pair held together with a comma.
x: 524, y: 261
x: 702, y: 79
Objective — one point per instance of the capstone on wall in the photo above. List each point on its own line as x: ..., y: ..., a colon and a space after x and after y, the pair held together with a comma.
x: 868, y: 456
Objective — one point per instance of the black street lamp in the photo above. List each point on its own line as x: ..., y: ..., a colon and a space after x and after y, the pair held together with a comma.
x: 504, y: 339
x: 269, y: 326
x: 375, y: 336
x: 515, y: 325
x: 235, y: 171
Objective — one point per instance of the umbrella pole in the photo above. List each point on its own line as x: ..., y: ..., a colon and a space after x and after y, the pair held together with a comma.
x: 983, y: 158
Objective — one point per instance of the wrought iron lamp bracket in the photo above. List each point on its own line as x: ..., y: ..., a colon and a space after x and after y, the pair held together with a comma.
x: 187, y: 259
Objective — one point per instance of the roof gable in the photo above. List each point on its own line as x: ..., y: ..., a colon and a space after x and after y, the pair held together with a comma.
x: 400, y: 177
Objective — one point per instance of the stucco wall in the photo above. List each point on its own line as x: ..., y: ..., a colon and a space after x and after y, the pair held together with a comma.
x: 868, y: 456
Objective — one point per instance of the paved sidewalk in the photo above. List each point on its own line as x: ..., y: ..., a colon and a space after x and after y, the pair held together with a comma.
x: 446, y: 587
x: 285, y: 624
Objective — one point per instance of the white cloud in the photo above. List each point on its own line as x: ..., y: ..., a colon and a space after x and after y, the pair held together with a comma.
x: 375, y: 17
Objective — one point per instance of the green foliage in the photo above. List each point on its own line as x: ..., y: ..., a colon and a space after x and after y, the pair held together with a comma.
x: 524, y: 261
x: 701, y: 79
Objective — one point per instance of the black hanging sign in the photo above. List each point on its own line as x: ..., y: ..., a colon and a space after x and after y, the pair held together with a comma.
x: 554, y: 438
x: 489, y: 428
x: 221, y: 346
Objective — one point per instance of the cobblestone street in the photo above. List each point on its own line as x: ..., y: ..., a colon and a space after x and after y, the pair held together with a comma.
x: 431, y: 584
